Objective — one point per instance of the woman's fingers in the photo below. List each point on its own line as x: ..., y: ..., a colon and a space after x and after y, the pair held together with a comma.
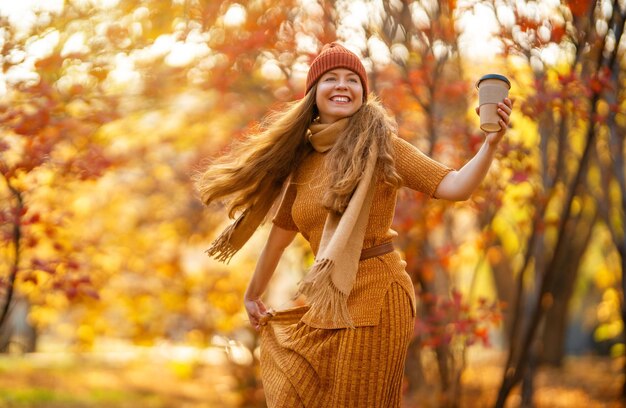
x: 504, y: 110
x: 256, y: 310
x: 504, y: 115
x: 260, y: 307
x: 506, y: 105
x: 253, y: 312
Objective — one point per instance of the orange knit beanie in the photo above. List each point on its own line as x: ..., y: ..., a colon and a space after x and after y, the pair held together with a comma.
x: 333, y: 56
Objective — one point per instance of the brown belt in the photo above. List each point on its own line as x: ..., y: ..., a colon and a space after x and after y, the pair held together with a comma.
x: 377, y: 250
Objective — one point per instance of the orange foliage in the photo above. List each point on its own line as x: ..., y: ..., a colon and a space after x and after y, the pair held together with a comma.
x: 579, y: 7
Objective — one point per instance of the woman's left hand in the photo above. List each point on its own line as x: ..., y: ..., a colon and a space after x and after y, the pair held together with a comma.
x: 504, y: 110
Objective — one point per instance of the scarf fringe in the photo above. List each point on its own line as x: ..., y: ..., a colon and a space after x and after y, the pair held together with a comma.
x: 326, y: 300
x: 222, y: 249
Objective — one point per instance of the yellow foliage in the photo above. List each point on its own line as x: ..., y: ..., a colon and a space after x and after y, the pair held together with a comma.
x: 510, y: 240
x: 182, y: 369
x: 196, y: 338
x: 173, y: 302
x: 45, y: 316
x: 138, y: 232
x: 618, y: 350
x: 603, y: 108
x: 608, y: 331
x: 85, y: 334
x: 576, y: 206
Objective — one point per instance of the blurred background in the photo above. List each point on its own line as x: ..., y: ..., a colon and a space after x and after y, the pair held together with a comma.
x: 107, y: 108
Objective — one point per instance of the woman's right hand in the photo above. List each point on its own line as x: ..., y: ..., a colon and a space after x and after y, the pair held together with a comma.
x: 268, y: 259
x: 256, y: 310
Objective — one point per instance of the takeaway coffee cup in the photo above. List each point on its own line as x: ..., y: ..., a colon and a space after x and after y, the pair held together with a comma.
x: 492, y: 89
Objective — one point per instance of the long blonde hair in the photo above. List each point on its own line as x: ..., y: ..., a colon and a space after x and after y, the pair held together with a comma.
x: 255, y: 169
x: 370, y: 126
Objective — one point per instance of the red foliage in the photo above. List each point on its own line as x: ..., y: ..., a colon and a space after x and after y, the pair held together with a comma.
x: 454, y: 89
x: 42, y: 133
x: 42, y: 265
x: 519, y: 177
x: 579, y: 7
x: 526, y: 24
x: 452, y: 318
x: 90, y: 164
x: 601, y: 81
x: 557, y: 33
x: 595, y: 85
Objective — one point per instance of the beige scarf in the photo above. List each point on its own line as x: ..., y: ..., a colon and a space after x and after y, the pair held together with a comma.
x: 331, y: 278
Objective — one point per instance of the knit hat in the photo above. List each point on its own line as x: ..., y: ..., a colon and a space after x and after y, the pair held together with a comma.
x: 334, y: 56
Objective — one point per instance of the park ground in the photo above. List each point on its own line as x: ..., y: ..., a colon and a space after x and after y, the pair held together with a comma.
x: 64, y: 380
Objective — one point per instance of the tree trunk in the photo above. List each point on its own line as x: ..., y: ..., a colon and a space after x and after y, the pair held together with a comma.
x: 17, y: 240
x: 549, y: 275
x: 557, y: 317
x: 554, y: 332
x: 18, y: 334
x: 528, y: 384
x: 505, y: 288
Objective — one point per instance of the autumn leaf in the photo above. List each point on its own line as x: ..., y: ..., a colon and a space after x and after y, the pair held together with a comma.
x: 579, y: 7
x: 557, y: 33
x: 596, y: 85
x: 50, y: 63
x: 519, y: 177
x: 482, y: 334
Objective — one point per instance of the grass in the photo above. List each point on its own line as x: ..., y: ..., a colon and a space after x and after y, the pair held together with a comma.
x: 43, y: 397
x: 64, y: 380
x: 76, y: 382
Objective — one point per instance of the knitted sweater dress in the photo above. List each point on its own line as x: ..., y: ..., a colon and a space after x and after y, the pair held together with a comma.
x: 308, y: 362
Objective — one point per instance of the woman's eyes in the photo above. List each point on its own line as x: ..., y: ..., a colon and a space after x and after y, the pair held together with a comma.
x: 333, y: 78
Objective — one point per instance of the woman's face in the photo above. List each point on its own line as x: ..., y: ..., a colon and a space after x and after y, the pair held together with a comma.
x: 339, y: 95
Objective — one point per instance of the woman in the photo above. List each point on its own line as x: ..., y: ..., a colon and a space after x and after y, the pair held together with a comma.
x: 336, y: 156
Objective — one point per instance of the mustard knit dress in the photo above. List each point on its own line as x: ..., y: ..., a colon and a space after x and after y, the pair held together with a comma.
x: 310, y: 363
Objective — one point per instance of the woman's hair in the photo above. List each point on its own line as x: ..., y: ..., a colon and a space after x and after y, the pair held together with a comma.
x: 370, y: 126
x: 255, y: 169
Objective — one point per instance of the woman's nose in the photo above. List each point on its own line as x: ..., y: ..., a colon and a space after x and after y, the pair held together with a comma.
x: 341, y: 84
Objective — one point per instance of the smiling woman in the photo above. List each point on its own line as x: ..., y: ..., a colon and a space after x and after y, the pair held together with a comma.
x: 336, y: 157
x: 339, y: 95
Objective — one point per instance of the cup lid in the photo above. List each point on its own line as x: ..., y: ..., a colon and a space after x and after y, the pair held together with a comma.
x: 494, y: 76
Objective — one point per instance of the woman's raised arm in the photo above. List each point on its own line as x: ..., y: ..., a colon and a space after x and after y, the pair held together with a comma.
x: 459, y: 185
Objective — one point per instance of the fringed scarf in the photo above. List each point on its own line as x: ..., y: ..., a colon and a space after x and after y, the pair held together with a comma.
x: 233, y: 238
x: 329, y: 282
x: 331, y: 278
